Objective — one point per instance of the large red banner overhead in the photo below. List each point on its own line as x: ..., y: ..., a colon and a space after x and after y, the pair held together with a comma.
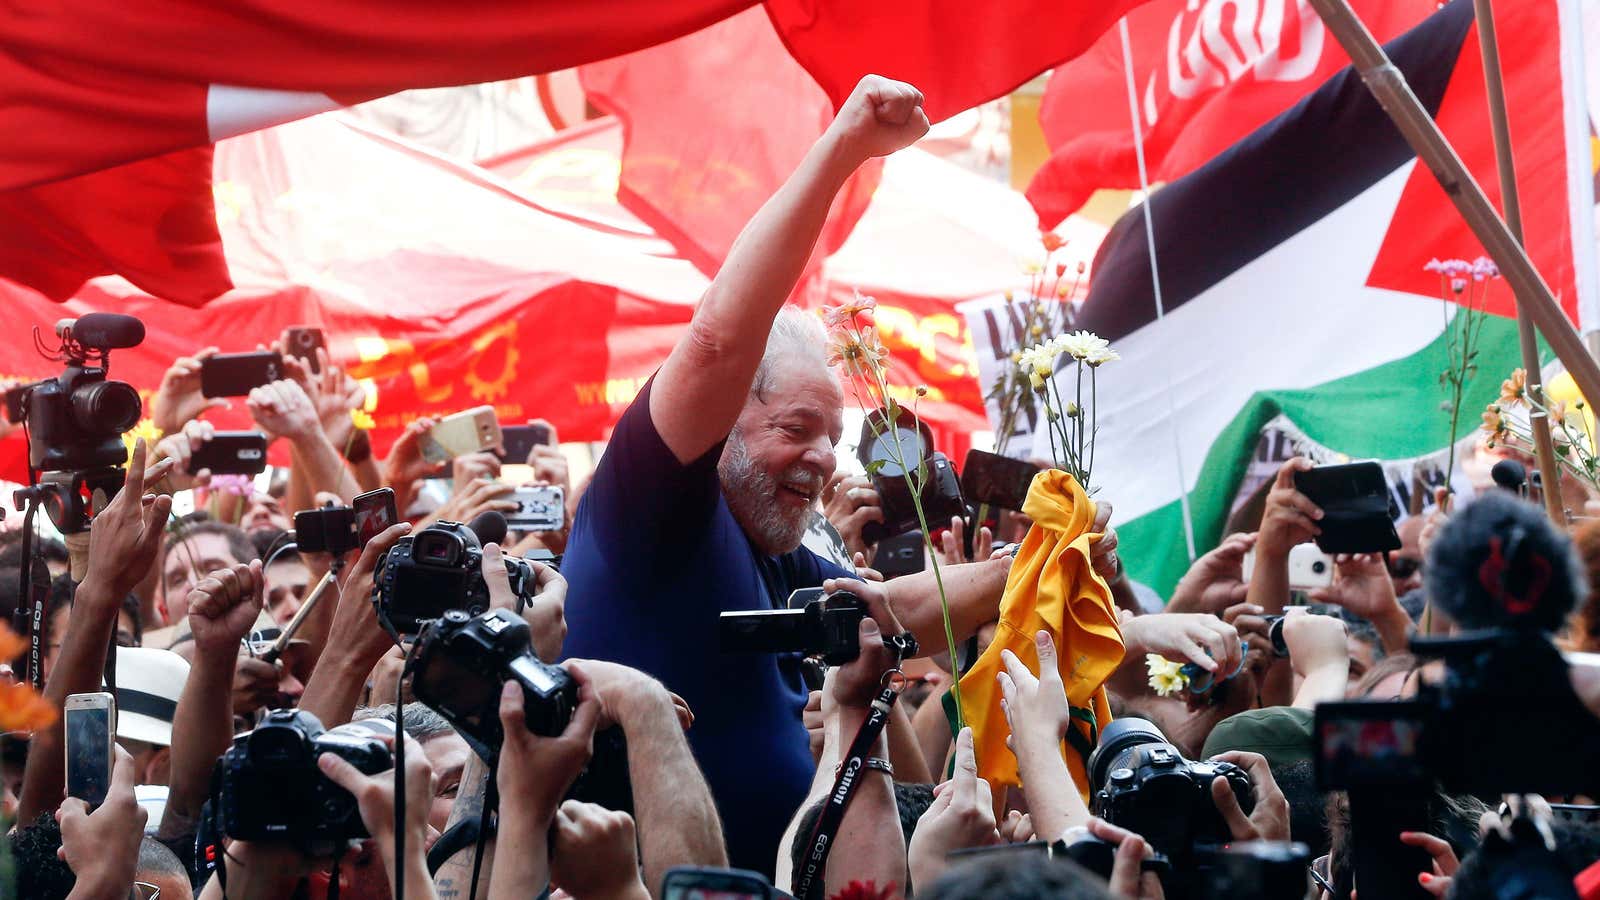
x: 714, y: 123
x: 1207, y: 73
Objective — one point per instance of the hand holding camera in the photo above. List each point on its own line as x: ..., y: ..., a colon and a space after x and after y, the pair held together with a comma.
x: 102, y: 847
x: 179, y: 399
x: 1268, y: 818
x: 1290, y: 518
x: 536, y: 770
x: 375, y: 798
x: 355, y: 625
x: 1317, y: 648
x: 850, y: 503
x: 1216, y: 581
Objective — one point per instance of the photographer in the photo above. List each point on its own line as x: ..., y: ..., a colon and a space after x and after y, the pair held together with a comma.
x: 702, y: 496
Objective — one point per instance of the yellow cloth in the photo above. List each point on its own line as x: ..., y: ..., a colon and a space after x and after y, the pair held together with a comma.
x: 1052, y: 587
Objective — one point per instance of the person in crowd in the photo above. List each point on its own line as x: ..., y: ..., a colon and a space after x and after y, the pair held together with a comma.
x: 149, y: 682
x: 288, y: 583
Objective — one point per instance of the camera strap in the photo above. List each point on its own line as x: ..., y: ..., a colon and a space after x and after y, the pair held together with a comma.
x: 35, y: 593
x: 846, y: 782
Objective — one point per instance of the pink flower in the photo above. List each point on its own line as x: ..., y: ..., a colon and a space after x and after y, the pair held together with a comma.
x: 1484, y: 267
x: 238, y: 485
x: 844, y: 313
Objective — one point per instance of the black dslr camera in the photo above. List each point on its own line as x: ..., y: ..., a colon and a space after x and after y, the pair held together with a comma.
x: 437, y: 569
x: 463, y: 660
x: 270, y: 789
x: 887, y: 438
x: 76, y: 420
x: 825, y: 626
x: 1142, y: 783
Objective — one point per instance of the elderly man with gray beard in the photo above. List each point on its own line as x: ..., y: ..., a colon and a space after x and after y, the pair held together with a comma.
x: 700, y: 501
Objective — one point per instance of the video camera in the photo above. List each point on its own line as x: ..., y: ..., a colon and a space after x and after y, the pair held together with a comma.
x: 886, y: 439
x: 268, y: 786
x: 461, y: 663
x: 1142, y: 783
x: 814, y: 625
x: 440, y: 568
x: 76, y: 420
x: 1501, y: 688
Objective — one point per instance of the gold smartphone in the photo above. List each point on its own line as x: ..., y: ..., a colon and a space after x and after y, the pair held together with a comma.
x: 457, y: 434
x: 90, y: 725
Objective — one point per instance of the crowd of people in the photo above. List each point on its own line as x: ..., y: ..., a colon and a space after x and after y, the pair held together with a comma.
x: 681, y: 768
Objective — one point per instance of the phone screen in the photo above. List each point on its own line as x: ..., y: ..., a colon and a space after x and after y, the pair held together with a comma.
x: 88, y: 731
x: 1368, y: 743
x: 374, y: 511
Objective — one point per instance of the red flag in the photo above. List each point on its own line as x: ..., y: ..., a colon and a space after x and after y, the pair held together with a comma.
x: 150, y: 221
x: 1207, y: 76
x: 1426, y: 225
x: 713, y: 123
x: 959, y: 54
x: 86, y: 84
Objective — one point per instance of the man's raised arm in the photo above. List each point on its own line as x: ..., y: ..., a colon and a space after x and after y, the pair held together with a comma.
x: 700, y: 389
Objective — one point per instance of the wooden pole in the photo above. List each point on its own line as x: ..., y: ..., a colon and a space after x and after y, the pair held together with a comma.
x: 1389, y: 86
x: 1544, y: 449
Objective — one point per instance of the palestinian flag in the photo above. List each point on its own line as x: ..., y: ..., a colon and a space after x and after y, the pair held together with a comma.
x: 1292, y: 274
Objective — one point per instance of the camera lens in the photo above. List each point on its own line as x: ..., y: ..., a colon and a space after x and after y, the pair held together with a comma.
x: 1115, y: 739
x: 1319, y: 566
x: 106, y: 406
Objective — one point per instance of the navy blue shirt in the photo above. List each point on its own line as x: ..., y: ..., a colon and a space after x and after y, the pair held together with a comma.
x: 655, y: 555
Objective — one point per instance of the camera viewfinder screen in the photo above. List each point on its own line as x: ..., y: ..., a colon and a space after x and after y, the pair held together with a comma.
x: 1375, y: 746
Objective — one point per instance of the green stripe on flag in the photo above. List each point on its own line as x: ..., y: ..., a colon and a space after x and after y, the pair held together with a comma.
x: 1391, y: 411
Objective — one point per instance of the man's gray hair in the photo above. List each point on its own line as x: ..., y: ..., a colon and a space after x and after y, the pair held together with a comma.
x: 797, y: 334
x: 422, y: 723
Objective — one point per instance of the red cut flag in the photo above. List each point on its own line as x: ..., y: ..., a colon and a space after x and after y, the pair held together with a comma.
x: 151, y: 222
x: 1208, y: 73
x: 959, y: 54
x: 1426, y: 225
x: 87, y: 84
x: 713, y: 123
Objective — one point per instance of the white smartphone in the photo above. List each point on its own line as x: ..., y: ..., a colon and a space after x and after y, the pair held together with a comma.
x: 538, y: 509
x: 1309, y: 567
x: 90, y: 724
x: 458, y: 434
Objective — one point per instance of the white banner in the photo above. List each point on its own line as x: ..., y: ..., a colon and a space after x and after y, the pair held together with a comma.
x: 997, y: 329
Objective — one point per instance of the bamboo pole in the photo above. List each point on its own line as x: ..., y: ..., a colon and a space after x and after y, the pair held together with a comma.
x: 1544, y: 449
x: 1389, y: 86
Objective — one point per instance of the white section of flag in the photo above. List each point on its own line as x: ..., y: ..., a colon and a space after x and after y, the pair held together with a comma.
x: 232, y: 111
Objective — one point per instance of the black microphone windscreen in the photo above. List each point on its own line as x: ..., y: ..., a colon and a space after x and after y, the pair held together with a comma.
x: 1508, y: 473
x: 108, y: 331
x: 489, y: 526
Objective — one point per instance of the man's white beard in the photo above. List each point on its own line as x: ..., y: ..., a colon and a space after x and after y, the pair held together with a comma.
x: 753, y: 497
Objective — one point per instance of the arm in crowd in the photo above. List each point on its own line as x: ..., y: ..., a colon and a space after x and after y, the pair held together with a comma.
x: 337, y: 682
x: 375, y: 798
x: 222, y: 609
x: 1036, y: 708
x: 701, y: 388
x: 283, y: 409
x: 101, y: 846
x: 973, y: 591
x: 677, y: 817
x: 124, y: 542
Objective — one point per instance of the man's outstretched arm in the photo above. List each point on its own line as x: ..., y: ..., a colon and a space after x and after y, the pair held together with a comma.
x: 697, y: 395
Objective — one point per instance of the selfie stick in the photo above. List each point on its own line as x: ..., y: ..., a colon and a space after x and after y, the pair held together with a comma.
x: 282, y: 643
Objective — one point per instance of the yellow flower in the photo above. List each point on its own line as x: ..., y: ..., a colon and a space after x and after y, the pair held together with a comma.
x: 362, y: 420
x: 1166, y: 676
x: 145, y: 429
x: 1512, y: 389
x: 1493, y: 422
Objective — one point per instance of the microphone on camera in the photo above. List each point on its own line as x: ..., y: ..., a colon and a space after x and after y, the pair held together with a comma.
x: 490, y: 527
x: 106, y: 331
x: 1509, y: 474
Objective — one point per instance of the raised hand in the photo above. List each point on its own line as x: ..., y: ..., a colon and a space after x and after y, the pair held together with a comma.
x: 224, y: 606
x: 1290, y: 517
x: 125, y: 537
x: 1103, y: 550
x: 849, y: 503
x: 178, y: 399
x: 961, y: 816
x: 102, y: 846
x: 1361, y: 585
x: 594, y: 852
x: 879, y: 117
x: 1216, y: 580
x: 545, y: 613
x: 282, y: 409
x: 404, y: 466
x: 1200, y: 638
